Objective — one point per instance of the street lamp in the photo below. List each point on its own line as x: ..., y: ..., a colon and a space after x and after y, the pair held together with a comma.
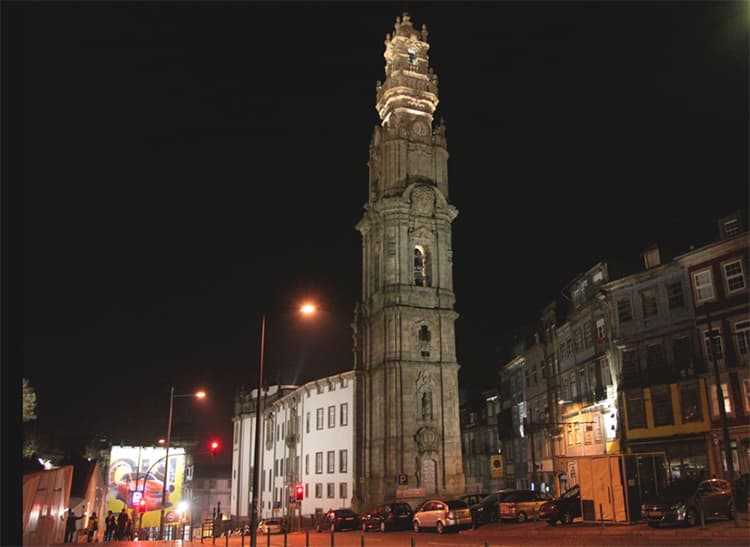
x: 306, y: 309
x: 198, y: 395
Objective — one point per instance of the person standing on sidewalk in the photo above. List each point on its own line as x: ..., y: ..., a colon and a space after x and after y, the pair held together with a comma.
x: 109, y: 526
x: 93, y: 527
x: 70, y: 526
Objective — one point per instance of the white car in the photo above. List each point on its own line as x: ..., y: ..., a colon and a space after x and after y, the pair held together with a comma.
x: 271, y: 526
x: 442, y: 515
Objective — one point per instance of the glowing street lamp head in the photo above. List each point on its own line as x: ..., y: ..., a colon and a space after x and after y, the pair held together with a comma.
x: 308, y: 309
x: 200, y: 394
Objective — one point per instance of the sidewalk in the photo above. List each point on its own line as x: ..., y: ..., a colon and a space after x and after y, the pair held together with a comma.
x: 713, y: 528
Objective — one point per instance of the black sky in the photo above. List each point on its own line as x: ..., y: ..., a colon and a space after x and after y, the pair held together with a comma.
x: 187, y: 165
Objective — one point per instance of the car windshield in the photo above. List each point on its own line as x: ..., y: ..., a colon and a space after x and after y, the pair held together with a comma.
x: 456, y: 504
x: 400, y: 508
x: 492, y: 498
x: 572, y: 492
x: 344, y: 513
x: 681, y: 487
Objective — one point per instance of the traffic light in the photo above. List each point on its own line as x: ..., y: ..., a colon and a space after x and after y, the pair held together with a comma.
x: 214, y: 447
x: 299, y: 492
x: 142, y: 506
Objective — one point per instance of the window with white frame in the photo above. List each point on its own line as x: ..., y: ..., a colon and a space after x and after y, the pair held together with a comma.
x: 343, y: 490
x: 318, y: 489
x: 344, y: 414
x: 661, y: 405
x: 577, y: 340
x: 332, y: 416
x: 331, y: 461
x: 714, y: 399
x: 742, y: 335
x: 714, y: 348
x: 588, y: 334
x: 690, y: 402
x: 704, y: 286
x: 307, y: 423
x: 343, y: 461
x: 734, y: 276
x: 318, y: 463
x: 307, y: 464
x: 732, y: 227
x: 573, y: 387
x: 319, y: 418
x: 331, y: 489
x: 600, y: 333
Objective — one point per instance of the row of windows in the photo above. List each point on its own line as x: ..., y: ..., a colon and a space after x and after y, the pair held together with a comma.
x: 588, y: 379
x: 734, y: 281
x: 689, y: 399
x: 320, y: 417
x: 649, y: 301
x: 330, y: 462
x: 330, y: 490
x: 583, y: 338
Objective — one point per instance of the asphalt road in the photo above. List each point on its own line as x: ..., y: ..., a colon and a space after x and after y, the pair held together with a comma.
x: 717, y: 532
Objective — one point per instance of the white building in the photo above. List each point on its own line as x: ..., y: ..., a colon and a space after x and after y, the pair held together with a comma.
x: 308, y: 439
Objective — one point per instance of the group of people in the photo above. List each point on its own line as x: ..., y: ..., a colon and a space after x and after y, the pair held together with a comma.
x: 116, y: 528
x: 70, y: 526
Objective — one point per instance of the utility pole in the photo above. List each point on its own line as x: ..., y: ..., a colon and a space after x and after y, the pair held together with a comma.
x: 720, y: 401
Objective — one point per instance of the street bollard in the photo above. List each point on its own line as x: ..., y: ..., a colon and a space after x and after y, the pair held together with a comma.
x: 362, y: 540
x: 703, y: 518
x: 601, y: 514
x: 413, y: 542
x: 486, y: 544
x: 307, y: 538
x: 201, y: 532
x: 242, y: 536
x: 268, y: 538
x: 226, y: 538
x: 332, y: 529
x: 284, y: 538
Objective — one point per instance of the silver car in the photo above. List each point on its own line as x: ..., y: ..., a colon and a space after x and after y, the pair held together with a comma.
x: 442, y: 515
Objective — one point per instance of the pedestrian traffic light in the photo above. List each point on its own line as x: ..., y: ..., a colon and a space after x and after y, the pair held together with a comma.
x: 142, y: 506
x: 299, y: 492
x: 214, y: 447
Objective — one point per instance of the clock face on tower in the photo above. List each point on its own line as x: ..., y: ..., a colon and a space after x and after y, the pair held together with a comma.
x: 419, y: 129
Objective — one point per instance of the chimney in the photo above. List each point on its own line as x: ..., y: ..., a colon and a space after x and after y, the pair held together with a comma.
x: 651, y: 257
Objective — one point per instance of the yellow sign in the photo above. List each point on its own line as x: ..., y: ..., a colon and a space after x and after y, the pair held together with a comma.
x: 139, y: 472
x: 496, y: 466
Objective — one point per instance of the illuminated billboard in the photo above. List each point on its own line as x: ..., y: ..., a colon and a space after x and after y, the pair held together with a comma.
x: 141, y: 469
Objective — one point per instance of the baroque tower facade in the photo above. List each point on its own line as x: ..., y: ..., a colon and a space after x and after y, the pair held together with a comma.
x: 408, y: 443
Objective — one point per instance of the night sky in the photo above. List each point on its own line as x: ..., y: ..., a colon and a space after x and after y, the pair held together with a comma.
x: 187, y: 166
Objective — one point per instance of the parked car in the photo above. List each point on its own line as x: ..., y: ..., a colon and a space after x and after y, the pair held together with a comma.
x: 442, y: 515
x: 521, y: 505
x: 472, y: 499
x: 683, y: 500
x: 563, y: 509
x: 388, y: 516
x: 487, y: 509
x: 338, y: 519
x: 271, y: 526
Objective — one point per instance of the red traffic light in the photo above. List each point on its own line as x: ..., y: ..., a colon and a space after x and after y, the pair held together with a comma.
x: 214, y: 447
x: 299, y: 492
x: 142, y: 506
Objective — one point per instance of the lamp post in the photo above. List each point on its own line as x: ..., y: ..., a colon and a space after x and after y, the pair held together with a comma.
x: 306, y: 309
x: 198, y: 395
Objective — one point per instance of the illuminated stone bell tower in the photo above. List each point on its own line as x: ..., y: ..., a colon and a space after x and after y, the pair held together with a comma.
x: 408, y: 436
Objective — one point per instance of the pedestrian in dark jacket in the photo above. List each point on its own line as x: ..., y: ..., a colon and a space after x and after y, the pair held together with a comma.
x: 92, y: 528
x: 110, y: 523
x: 70, y: 526
x: 122, y: 522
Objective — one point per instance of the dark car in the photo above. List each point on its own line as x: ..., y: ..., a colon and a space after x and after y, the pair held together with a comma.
x: 487, y: 509
x: 683, y: 500
x: 388, y: 516
x: 338, y: 519
x: 563, y: 509
x: 522, y: 505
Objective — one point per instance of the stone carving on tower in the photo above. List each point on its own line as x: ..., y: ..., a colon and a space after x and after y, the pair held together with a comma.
x: 407, y: 419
